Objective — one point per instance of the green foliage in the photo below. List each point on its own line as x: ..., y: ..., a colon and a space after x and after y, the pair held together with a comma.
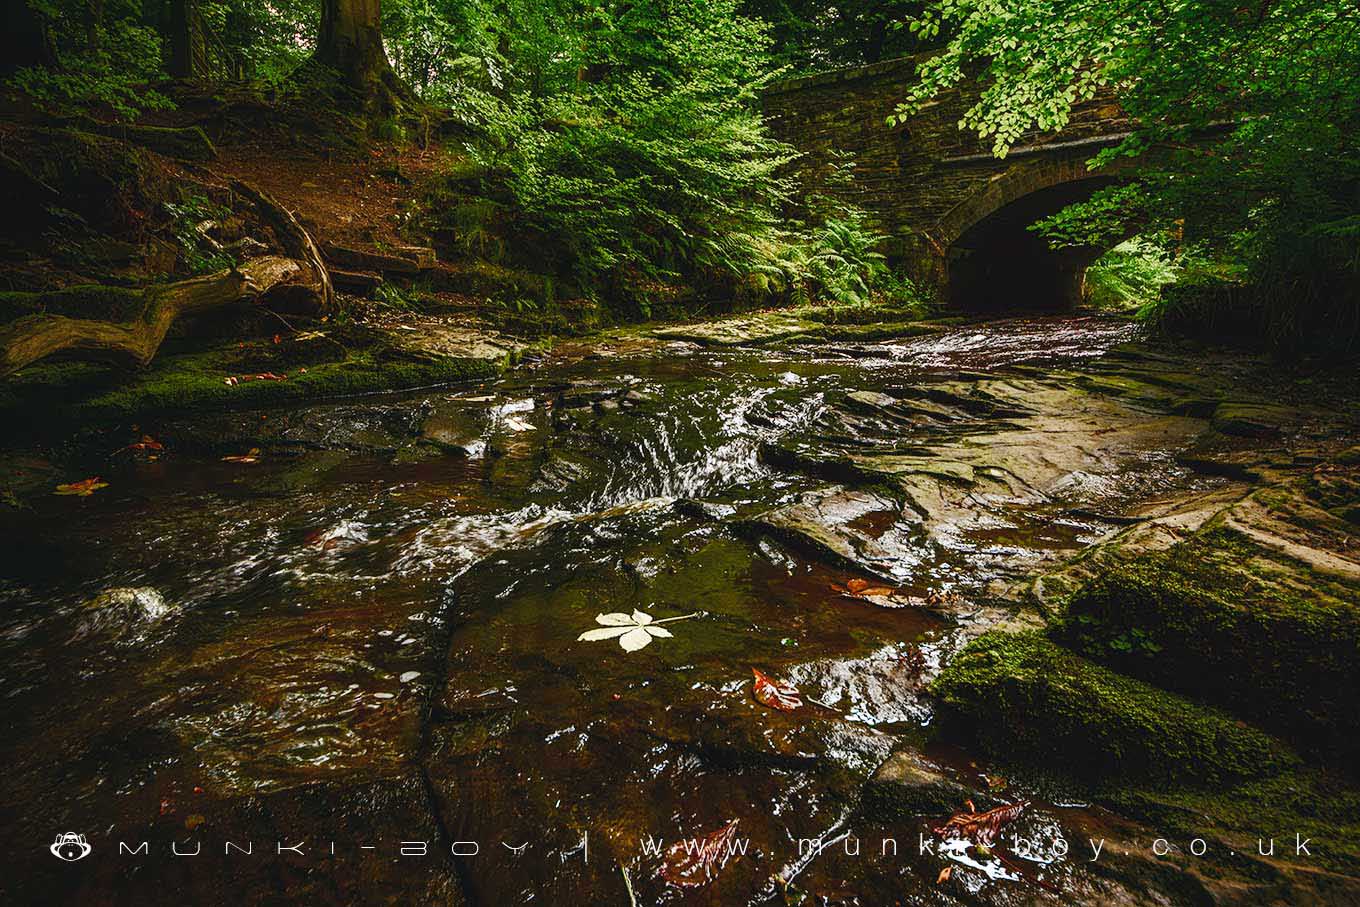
x: 199, y: 255
x: 1244, y: 122
x: 1131, y: 275
x: 103, y: 62
x: 838, y: 262
x: 609, y: 142
x: 810, y: 35
x: 396, y: 297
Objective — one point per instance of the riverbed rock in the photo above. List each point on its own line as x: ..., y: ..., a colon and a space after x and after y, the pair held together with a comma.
x: 765, y: 327
x: 827, y: 523
x: 122, y: 612
x: 457, y: 428
x: 1254, y: 419
x: 907, y: 784
x: 351, y: 814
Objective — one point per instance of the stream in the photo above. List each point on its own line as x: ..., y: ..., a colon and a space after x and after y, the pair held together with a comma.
x: 362, y: 641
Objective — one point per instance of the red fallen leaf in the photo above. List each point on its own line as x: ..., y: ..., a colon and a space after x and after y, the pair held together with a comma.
x: 980, y: 828
x: 147, y: 443
x: 777, y: 694
x: 883, y: 596
x: 82, y: 489
x: 694, y: 862
x: 278, y: 338
x: 167, y: 807
x: 944, y: 875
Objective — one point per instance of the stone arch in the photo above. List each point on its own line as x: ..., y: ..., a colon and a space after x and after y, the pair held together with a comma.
x: 990, y: 260
x: 1012, y: 184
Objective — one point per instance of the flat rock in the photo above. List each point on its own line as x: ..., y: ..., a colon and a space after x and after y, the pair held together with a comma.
x: 762, y: 328
x: 907, y: 784
x: 825, y: 523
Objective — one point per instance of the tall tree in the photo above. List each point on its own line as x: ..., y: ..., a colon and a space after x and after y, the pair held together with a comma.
x: 351, y: 43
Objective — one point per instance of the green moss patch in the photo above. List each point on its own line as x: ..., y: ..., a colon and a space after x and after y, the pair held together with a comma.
x: 1032, y: 702
x: 92, y: 301
x: 1292, y: 808
x: 1221, y: 619
x: 196, y: 381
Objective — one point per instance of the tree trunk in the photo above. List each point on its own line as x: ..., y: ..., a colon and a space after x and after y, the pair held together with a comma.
x: 351, y: 43
x: 181, y: 63
x: 26, y: 41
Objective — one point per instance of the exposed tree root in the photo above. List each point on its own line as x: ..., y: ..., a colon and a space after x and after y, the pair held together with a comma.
x: 33, y: 337
x: 299, y: 282
x: 294, y: 239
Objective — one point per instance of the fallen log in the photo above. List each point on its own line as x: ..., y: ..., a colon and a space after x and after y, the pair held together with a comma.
x: 135, y: 340
x: 408, y: 260
x: 360, y: 283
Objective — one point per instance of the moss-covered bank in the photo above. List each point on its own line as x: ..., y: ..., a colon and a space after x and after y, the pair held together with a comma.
x: 1029, y: 699
x: 1222, y: 619
x: 248, y: 374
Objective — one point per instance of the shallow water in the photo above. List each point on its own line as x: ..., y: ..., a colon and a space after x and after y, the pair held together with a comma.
x: 367, y: 640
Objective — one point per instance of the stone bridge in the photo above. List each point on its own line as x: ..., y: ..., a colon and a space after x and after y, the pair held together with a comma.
x: 956, y: 213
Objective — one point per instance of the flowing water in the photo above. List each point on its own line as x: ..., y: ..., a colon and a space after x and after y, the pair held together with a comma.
x: 363, y: 639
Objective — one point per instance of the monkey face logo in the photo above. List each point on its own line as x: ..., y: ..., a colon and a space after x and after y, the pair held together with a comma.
x: 70, y: 847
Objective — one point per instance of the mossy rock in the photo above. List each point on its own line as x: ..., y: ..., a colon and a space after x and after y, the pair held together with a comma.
x: 1252, y: 419
x: 907, y: 785
x: 1031, y: 702
x: 112, y: 185
x: 1224, y: 620
x: 1316, y: 806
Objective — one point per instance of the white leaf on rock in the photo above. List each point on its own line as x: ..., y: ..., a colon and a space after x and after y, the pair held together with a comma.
x: 602, y: 633
x: 635, y: 631
x: 635, y: 639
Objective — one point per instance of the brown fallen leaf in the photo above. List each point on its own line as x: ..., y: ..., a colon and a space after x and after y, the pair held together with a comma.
x: 694, y: 862
x: 193, y: 821
x: 980, y: 828
x: 252, y: 456
x: 777, y: 694
x: 942, y: 599
x: 944, y: 875
x: 83, y: 489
